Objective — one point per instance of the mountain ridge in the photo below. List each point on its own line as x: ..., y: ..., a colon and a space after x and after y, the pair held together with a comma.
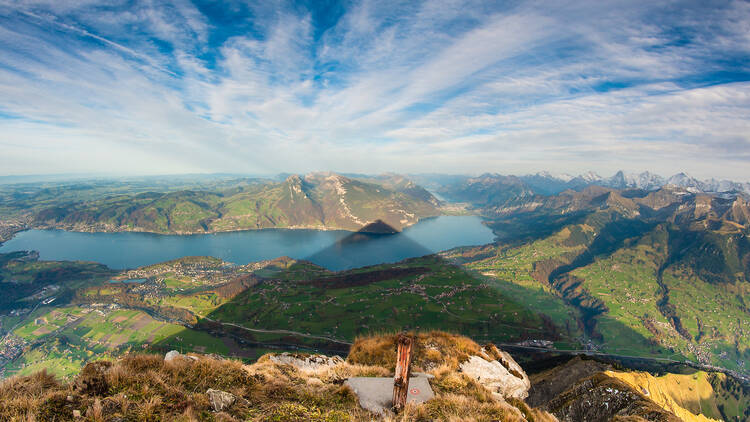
x: 315, y: 200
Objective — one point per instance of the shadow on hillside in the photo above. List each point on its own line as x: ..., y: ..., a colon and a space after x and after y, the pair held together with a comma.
x: 521, y: 227
x: 374, y: 244
x: 268, y: 313
x: 612, y: 236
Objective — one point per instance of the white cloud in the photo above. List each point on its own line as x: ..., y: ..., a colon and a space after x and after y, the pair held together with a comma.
x: 467, y: 87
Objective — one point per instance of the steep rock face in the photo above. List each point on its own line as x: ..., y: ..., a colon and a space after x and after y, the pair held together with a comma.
x: 548, y: 384
x: 740, y: 212
x: 502, y: 375
x: 602, y: 399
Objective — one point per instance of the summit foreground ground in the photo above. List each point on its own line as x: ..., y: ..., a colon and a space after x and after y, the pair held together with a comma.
x: 299, y: 387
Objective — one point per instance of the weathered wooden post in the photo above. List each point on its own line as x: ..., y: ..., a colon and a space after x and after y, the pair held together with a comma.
x: 403, y: 370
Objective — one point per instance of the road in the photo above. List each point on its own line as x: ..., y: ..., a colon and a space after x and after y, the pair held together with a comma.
x: 288, y: 332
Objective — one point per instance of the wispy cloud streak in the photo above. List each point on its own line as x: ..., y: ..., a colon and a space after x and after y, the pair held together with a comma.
x: 441, y: 85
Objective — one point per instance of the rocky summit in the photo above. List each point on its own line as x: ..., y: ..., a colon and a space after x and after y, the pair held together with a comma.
x: 454, y: 378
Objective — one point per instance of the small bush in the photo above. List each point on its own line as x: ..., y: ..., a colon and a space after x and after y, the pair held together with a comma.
x: 93, y: 379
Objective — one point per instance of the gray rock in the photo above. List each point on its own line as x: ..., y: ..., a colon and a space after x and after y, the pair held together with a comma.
x: 171, y: 355
x: 220, y: 400
x: 310, y: 363
x: 503, y: 378
x: 376, y: 393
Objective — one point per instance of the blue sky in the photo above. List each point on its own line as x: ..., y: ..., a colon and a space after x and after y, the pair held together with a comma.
x: 152, y: 87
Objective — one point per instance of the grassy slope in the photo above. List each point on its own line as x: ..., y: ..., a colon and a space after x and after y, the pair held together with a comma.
x: 644, y: 281
x: 692, y: 397
x: 510, y: 269
x: 435, y: 295
x: 71, y: 336
x: 322, y: 202
x: 712, y: 315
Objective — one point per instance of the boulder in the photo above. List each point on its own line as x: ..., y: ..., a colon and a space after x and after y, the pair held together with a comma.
x: 220, y: 400
x: 171, y: 355
x: 502, y: 376
x: 307, y: 363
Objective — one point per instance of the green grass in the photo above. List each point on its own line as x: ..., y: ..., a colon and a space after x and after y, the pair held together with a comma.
x: 60, y: 365
x: 77, y: 335
x: 444, y: 297
x: 187, y: 340
x: 199, y: 303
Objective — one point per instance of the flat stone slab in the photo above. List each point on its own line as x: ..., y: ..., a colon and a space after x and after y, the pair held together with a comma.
x: 376, y: 393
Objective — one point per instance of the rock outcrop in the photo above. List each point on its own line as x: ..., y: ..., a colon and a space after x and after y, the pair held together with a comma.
x: 548, y: 384
x: 220, y: 400
x: 601, y: 399
x: 307, y: 363
x: 501, y: 375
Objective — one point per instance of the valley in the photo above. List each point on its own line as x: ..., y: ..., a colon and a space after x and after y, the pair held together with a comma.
x: 652, y: 280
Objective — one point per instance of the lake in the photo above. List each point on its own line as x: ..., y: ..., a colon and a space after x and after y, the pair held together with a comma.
x: 335, y: 250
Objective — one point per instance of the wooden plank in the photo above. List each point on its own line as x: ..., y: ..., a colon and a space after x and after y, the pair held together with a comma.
x: 403, y: 370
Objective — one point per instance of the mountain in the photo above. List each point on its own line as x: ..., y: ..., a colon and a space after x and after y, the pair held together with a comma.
x: 548, y: 184
x: 666, y: 273
x: 316, y: 200
x: 545, y: 183
x: 488, y: 190
x: 400, y: 183
x: 645, y: 181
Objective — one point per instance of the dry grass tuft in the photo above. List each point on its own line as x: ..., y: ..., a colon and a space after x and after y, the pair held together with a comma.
x: 453, y: 407
x: 140, y: 387
x: 432, y: 349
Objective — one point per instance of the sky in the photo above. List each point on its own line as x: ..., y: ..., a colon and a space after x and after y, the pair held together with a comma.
x: 261, y: 87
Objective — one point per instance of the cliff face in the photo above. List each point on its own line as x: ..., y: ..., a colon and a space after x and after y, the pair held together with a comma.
x: 584, y: 388
x: 602, y: 398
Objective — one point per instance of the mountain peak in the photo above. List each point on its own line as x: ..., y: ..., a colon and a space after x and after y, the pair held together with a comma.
x: 378, y: 227
x: 590, y: 176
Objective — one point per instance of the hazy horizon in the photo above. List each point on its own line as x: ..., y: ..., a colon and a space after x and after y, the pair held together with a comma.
x: 53, y: 177
x: 454, y: 87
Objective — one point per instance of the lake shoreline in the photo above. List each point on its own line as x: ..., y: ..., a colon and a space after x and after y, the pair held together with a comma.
x: 334, y: 249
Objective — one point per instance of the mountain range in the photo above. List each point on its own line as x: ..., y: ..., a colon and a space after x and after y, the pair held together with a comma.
x: 546, y: 183
x: 315, y: 200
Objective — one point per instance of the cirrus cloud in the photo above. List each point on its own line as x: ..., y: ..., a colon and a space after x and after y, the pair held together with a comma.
x: 370, y: 86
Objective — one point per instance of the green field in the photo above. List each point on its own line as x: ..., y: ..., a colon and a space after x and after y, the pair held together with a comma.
x: 432, y: 294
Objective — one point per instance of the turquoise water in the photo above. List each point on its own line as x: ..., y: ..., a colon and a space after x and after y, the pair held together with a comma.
x: 335, y: 250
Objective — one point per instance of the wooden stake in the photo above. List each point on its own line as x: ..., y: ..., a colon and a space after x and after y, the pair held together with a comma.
x: 403, y: 370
